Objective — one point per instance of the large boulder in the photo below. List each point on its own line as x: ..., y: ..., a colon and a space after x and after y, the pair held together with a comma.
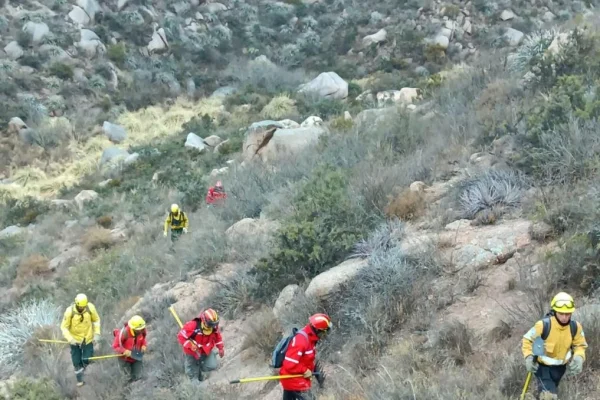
x: 287, y: 298
x: 37, y: 30
x: 158, y: 43
x: 405, y: 96
x: 121, y: 4
x: 328, y: 283
x: 79, y: 16
x: 15, y: 125
x: 90, y: 44
x: 91, y: 7
x: 276, y: 143
x: 194, y: 141
x: 378, y: 37
x: 513, y: 36
x: 283, y: 124
x: 328, y: 85
x: 113, y: 155
x: 213, y: 140
x: 214, y: 8
x: 249, y: 227
x: 115, y: 133
x: 11, y: 231
x: 13, y: 50
x: 85, y: 196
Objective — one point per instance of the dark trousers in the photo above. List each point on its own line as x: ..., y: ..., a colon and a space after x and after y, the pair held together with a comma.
x: 548, y: 377
x: 80, y: 357
x: 289, y: 395
x: 175, y: 233
x: 132, y: 369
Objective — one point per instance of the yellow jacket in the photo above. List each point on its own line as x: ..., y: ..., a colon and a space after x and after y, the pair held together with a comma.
x: 559, y: 346
x: 176, y: 221
x: 80, y: 326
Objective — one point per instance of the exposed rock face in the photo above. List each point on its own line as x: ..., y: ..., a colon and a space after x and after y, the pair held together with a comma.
x: 328, y: 85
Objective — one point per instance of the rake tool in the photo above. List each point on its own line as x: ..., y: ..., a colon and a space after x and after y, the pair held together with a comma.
x: 538, y: 350
x: 53, y: 341
x: 270, y: 378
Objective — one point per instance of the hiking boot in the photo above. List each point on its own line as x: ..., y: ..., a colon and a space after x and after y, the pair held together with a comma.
x: 548, y: 396
x: 80, y: 384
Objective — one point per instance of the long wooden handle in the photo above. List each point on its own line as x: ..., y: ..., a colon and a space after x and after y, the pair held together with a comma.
x: 526, y: 386
x: 53, y: 341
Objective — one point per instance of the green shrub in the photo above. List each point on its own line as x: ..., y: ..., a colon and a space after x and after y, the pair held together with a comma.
x: 61, y: 70
x: 117, y: 53
x: 320, y: 233
x: 308, y: 105
x: 24, y: 39
x: 24, y: 211
x: 33, y: 389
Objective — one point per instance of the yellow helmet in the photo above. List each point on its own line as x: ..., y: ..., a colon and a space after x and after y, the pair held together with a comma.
x: 81, y: 300
x: 563, y: 303
x: 174, y: 208
x: 136, y: 323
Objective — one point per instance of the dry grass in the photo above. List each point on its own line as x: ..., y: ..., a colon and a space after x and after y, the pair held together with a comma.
x: 32, y: 266
x: 407, y: 205
x: 105, y: 221
x: 98, y: 238
x: 143, y: 127
x: 260, y: 339
x: 279, y: 107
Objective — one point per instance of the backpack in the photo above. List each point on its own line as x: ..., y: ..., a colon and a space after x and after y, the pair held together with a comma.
x: 546, y: 329
x: 282, y: 346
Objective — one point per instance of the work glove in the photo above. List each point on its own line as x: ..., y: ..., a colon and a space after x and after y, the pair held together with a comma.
x: 143, y: 349
x: 575, y: 366
x: 221, y: 353
x: 165, y: 234
x: 531, y: 365
x: 192, y: 346
x: 127, y: 353
x: 184, y: 230
x: 73, y: 342
x: 307, y: 374
x: 97, y: 338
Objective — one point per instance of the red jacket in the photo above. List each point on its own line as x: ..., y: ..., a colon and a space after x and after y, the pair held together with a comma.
x: 214, y: 197
x: 192, y: 330
x: 299, y: 357
x: 125, y: 340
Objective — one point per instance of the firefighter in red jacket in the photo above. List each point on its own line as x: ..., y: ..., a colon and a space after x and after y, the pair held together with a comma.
x: 300, y: 358
x: 132, y: 337
x: 216, y: 194
x: 201, y: 339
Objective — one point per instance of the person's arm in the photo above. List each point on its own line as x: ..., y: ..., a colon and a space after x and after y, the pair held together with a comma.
x: 529, y: 337
x: 167, y: 223
x: 579, y: 343
x: 65, y: 325
x: 295, y: 351
x: 95, y: 319
x: 185, y: 221
x: 185, y: 334
x: 119, y: 342
x: 219, y: 341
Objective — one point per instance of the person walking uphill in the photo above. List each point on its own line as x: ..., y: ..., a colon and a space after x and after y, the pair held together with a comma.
x: 178, y: 222
x: 81, y: 328
x: 131, y: 338
x: 216, y: 194
x: 199, y: 338
x: 300, y: 358
x: 564, y: 346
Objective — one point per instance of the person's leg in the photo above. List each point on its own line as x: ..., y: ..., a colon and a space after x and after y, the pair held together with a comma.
x: 191, y: 366
x: 87, y: 351
x: 210, y: 361
x: 175, y: 234
x: 76, y: 354
x: 546, y: 383
x: 137, y: 368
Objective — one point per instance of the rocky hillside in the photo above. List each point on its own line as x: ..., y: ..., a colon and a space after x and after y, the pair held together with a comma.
x: 425, y: 172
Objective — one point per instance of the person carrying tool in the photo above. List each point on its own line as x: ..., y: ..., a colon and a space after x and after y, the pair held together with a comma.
x: 178, y: 222
x: 199, y: 338
x: 80, y: 327
x: 216, y: 194
x: 564, y: 345
x: 131, y: 342
x: 300, y: 358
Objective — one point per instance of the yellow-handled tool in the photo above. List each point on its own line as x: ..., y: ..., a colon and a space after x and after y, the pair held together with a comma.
x: 176, y: 317
x: 104, y: 357
x: 53, y: 341
x: 538, y: 350
x: 268, y: 378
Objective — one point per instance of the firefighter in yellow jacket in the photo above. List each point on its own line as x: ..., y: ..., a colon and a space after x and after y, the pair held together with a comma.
x: 564, y: 346
x: 81, y: 328
x: 178, y: 222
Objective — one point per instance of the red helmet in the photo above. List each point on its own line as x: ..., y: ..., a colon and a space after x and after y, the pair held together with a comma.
x: 321, y: 322
x: 209, y: 317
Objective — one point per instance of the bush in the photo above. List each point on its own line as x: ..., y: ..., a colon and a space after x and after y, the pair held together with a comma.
x: 407, y: 205
x: 453, y: 343
x: 62, y: 71
x: 279, y: 107
x: 105, y: 221
x: 29, y: 389
x: 24, y: 211
x: 322, y: 230
x: 34, y: 265
x: 17, y: 326
x: 98, y: 238
x: 493, y: 188
x: 260, y: 340
x: 117, y: 53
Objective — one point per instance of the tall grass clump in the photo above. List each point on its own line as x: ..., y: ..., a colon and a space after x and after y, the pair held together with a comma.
x: 17, y: 327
